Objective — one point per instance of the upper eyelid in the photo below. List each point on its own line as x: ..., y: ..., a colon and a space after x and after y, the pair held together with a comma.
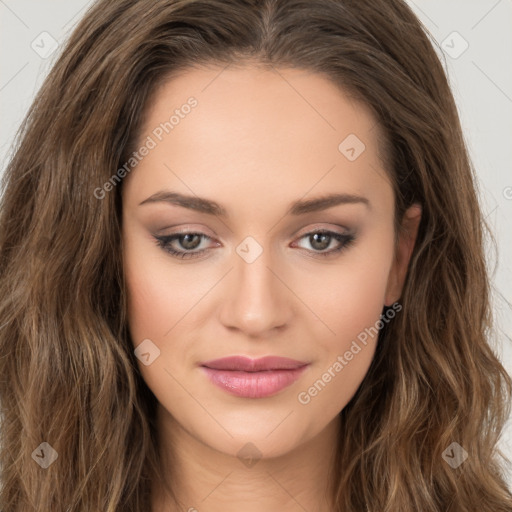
x: 174, y: 236
x: 313, y: 229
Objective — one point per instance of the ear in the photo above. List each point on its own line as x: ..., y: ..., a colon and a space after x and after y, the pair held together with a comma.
x: 404, y: 247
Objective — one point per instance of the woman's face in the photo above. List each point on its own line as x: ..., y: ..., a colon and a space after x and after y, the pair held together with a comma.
x: 276, y: 176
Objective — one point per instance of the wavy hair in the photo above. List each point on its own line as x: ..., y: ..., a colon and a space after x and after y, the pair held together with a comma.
x: 68, y: 374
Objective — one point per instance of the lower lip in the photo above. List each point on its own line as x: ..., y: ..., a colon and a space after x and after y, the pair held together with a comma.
x: 253, y: 384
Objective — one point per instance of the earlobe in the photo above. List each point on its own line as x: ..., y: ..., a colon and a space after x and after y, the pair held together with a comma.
x: 405, y: 246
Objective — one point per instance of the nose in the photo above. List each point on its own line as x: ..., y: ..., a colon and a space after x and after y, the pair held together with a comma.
x: 256, y: 300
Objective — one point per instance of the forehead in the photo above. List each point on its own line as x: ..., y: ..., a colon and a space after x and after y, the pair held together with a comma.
x: 255, y: 129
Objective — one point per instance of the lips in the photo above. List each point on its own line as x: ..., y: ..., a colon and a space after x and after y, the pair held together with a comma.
x: 253, y: 378
x: 245, y: 364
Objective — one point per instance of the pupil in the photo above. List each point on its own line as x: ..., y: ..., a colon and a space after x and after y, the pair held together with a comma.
x: 185, y: 241
x: 323, y: 244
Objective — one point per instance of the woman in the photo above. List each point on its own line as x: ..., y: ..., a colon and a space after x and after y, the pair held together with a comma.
x: 242, y: 267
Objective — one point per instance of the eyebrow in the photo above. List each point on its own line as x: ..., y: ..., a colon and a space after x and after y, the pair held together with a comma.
x: 210, y: 207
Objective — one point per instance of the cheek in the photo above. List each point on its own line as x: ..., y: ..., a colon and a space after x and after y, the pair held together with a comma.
x: 151, y: 307
x: 157, y: 302
x: 156, y: 296
x: 350, y: 304
x: 349, y: 296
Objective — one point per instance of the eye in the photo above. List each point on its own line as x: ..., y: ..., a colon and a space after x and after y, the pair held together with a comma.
x: 188, y: 241
x: 185, y: 245
x: 321, y: 240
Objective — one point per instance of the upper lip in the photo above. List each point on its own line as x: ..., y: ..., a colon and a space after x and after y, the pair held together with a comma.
x: 246, y: 364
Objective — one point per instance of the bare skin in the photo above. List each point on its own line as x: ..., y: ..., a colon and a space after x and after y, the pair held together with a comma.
x: 258, y: 141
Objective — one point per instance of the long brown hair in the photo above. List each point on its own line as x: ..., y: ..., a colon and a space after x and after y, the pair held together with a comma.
x: 68, y: 373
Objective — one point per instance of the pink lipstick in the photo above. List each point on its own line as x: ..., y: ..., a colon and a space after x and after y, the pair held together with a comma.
x: 253, y: 378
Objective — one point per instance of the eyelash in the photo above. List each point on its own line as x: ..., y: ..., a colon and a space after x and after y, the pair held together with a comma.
x: 165, y: 241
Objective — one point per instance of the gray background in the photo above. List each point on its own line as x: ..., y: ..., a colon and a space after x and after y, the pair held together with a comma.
x: 474, y: 40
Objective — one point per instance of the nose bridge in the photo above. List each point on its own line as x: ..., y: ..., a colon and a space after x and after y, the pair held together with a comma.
x: 256, y: 301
